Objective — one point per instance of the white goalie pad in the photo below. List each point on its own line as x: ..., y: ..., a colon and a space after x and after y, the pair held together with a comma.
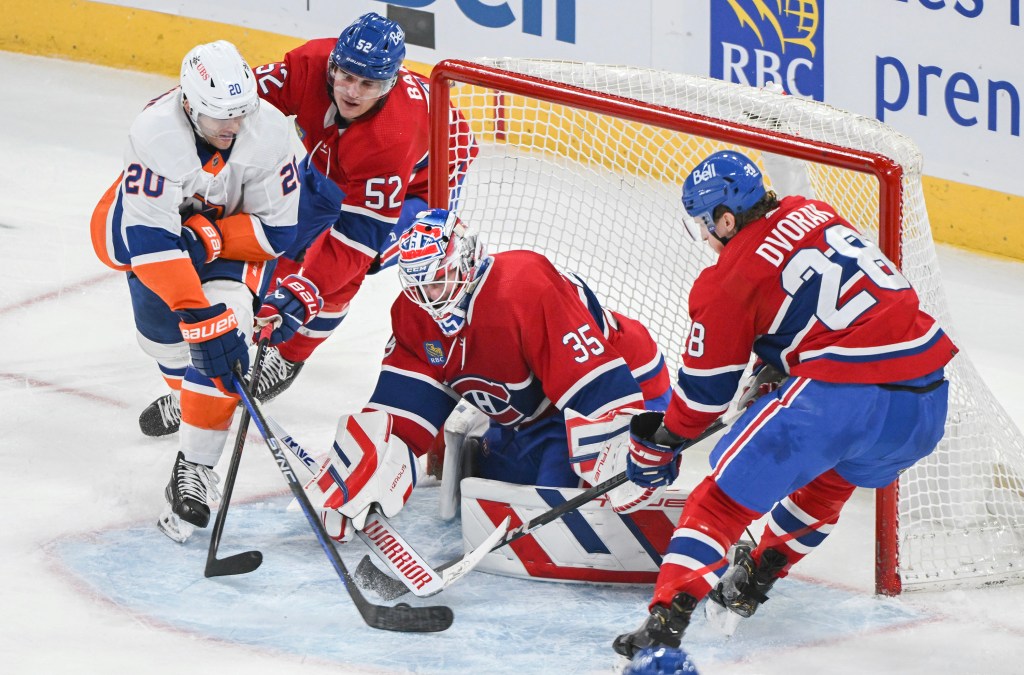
x: 593, y: 544
x: 464, y: 423
x: 598, y: 448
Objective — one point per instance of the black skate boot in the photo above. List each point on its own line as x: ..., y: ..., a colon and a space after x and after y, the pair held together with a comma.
x: 663, y: 628
x: 277, y: 375
x: 186, y: 491
x: 161, y: 417
x: 745, y: 586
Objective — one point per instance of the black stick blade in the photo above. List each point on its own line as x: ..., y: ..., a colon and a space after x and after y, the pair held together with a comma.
x: 240, y: 563
x: 405, y: 619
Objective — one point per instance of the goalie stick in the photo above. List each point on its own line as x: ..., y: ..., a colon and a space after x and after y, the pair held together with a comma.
x: 239, y: 563
x: 390, y: 589
x: 411, y: 569
x: 401, y: 617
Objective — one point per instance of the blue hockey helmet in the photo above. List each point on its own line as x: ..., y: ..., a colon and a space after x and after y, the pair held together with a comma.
x: 661, y: 661
x: 725, y: 178
x: 373, y: 48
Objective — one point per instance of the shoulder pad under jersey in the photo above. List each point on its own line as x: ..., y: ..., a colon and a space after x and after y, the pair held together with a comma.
x: 267, y: 141
x: 161, y: 137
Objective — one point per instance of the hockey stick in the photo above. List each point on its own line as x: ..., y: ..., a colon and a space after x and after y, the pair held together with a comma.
x: 411, y: 569
x: 401, y: 617
x: 390, y: 589
x: 240, y: 563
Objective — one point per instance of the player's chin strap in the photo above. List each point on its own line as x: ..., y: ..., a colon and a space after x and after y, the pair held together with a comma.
x: 411, y: 569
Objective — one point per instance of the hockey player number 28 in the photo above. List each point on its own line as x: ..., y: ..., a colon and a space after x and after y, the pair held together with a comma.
x: 846, y: 248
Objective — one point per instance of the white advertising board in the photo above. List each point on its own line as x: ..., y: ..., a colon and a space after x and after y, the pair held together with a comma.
x: 945, y: 72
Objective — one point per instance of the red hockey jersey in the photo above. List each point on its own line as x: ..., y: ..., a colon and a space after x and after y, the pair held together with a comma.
x: 376, y: 160
x: 532, y: 342
x: 812, y: 297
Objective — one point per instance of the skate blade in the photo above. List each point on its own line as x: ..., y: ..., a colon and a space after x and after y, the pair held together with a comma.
x: 174, y: 527
x: 723, y: 620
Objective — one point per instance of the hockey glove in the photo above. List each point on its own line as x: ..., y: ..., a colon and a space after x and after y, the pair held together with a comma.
x: 215, y: 342
x: 366, y: 465
x: 291, y: 305
x: 762, y: 381
x: 653, y: 451
x: 200, y: 230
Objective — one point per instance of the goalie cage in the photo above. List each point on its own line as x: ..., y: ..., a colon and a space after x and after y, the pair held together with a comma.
x: 584, y: 163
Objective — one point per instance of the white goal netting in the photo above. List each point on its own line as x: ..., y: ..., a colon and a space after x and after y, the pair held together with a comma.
x: 599, y: 193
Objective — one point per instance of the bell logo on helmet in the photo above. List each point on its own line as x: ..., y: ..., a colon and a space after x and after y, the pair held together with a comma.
x: 704, y: 173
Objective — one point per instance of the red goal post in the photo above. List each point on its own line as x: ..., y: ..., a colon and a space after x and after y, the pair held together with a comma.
x: 618, y: 135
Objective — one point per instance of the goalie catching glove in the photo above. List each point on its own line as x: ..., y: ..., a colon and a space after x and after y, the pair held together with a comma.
x: 367, y: 465
x: 599, y: 449
x: 765, y: 379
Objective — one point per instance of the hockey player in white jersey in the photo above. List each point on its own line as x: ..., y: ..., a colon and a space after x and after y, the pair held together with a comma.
x: 207, y: 201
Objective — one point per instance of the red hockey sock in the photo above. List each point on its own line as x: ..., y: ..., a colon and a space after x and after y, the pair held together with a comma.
x: 801, y: 521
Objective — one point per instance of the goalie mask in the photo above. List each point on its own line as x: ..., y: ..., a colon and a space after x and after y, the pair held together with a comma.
x: 726, y: 179
x: 438, y: 265
x: 220, y: 90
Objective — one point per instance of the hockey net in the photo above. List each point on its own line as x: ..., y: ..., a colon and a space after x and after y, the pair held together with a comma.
x: 584, y: 163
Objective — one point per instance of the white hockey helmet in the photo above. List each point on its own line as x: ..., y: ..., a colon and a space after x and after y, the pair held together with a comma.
x: 217, y: 82
x: 439, y: 261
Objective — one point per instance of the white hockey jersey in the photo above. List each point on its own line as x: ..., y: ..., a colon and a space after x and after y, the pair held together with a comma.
x: 250, y: 192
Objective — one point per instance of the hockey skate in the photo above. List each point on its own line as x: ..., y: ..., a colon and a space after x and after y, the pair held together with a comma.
x: 663, y: 628
x: 190, y: 487
x: 743, y: 588
x: 161, y: 417
x: 277, y: 375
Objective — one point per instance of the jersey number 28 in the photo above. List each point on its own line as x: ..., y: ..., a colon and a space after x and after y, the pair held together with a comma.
x: 847, y: 246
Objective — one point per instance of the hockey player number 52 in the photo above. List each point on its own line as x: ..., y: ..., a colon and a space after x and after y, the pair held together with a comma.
x: 845, y: 247
x: 583, y: 343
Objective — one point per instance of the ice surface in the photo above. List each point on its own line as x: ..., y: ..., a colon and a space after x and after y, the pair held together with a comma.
x: 90, y: 585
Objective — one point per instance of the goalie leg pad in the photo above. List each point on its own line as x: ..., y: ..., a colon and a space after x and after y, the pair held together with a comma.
x: 592, y: 544
x: 366, y: 465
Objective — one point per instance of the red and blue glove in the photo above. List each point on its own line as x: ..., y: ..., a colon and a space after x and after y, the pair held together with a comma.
x: 653, y: 451
x: 291, y: 305
x: 215, y: 342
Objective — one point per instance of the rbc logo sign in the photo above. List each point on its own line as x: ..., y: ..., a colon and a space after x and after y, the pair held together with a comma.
x: 754, y: 42
x: 501, y: 15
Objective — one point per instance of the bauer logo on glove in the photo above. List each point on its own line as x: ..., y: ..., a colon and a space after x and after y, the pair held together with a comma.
x: 201, y: 332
